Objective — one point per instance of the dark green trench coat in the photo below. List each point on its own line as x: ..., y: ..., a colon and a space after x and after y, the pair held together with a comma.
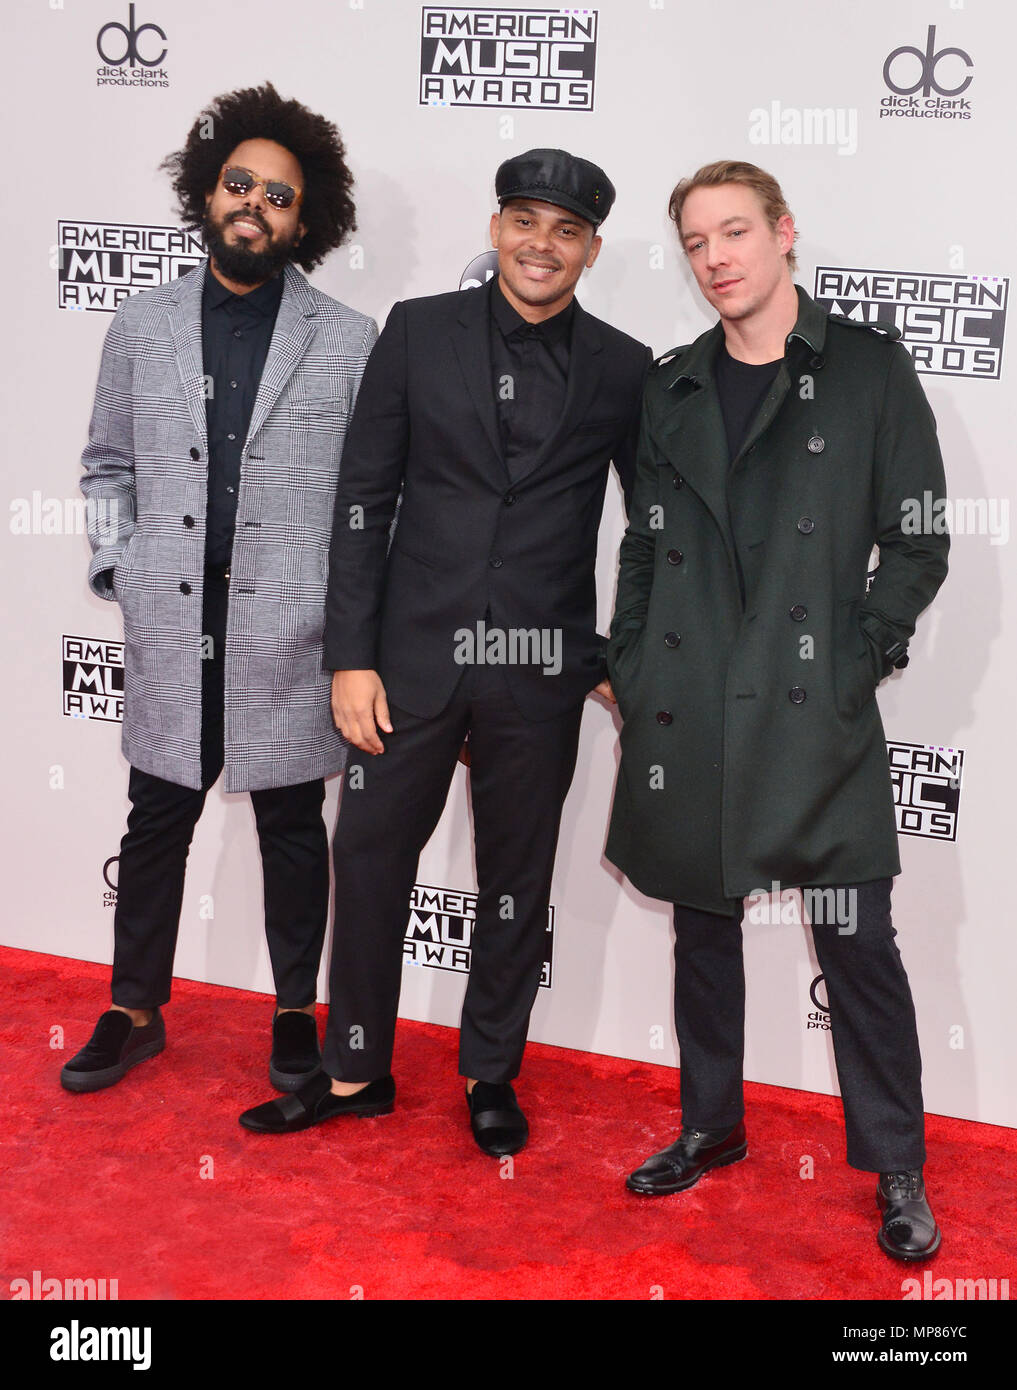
x: 752, y: 746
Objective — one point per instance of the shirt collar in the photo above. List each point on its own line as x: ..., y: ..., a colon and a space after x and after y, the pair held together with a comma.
x: 264, y: 300
x: 554, y: 330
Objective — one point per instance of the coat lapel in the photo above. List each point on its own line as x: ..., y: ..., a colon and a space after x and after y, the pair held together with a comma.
x: 472, y: 342
x: 185, y: 330
x: 294, y: 329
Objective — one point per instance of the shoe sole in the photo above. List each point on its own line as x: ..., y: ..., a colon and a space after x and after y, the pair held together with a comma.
x: 735, y: 1157
x: 81, y: 1081
x: 361, y: 1112
x: 290, y: 1080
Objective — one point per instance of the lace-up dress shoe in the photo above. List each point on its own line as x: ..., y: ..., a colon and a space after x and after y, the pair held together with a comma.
x: 498, y: 1124
x: 314, y: 1102
x: 909, y: 1230
x: 296, y: 1055
x: 684, y: 1162
x: 111, y: 1051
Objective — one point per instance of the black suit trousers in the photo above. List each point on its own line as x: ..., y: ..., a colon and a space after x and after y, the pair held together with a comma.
x: 153, y: 859
x: 872, y: 1019
x: 520, y: 773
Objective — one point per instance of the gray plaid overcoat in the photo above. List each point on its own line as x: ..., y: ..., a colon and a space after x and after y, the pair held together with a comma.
x: 145, y: 484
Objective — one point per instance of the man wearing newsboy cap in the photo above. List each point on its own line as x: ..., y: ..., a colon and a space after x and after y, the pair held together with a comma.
x: 496, y: 412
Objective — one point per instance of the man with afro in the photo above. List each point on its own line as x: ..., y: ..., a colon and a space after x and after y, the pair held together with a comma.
x: 215, y: 441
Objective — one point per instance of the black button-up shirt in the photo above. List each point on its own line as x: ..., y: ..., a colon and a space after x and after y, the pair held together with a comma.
x: 530, y: 370
x: 236, y: 330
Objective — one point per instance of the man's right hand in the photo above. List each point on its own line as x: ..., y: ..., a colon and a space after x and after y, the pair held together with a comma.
x: 359, y: 708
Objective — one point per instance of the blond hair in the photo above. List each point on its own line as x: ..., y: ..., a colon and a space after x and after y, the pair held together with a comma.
x: 764, y: 185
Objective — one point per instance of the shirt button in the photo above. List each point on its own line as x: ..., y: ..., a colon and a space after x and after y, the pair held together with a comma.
x: 188, y: 522
x: 796, y: 695
x: 799, y: 612
x: 495, y: 562
x: 806, y: 525
x: 678, y: 481
x: 230, y: 489
x: 195, y: 453
x: 234, y: 385
x: 671, y: 639
x: 231, y: 436
x: 185, y: 588
x: 664, y: 716
x: 674, y: 557
x: 816, y: 444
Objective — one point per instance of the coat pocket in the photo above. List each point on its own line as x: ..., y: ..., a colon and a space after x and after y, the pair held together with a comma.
x: 854, y: 662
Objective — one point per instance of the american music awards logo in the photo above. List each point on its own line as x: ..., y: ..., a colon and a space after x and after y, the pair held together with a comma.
x: 440, y: 931
x: 99, y: 264
x: 952, y: 325
x: 536, y: 59
x: 93, y: 679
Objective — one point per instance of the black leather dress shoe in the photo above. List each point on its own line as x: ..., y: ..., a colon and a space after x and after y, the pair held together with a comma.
x: 296, y: 1055
x: 314, y: 1102
x: 111, y: 1051
x: 909, y: 1230
x: 498, y: 1124
x: 684, y: 1162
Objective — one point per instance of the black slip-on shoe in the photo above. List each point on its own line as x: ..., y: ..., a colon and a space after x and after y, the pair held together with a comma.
x: 498, y: 1124
x: 296, y: 1055
x: 314, y: 1102
x: 111, y: 1051
x: 908, y: 1230
x: 683, y: 1163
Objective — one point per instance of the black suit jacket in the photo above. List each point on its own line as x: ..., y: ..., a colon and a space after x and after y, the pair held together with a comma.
x: 468, y: 538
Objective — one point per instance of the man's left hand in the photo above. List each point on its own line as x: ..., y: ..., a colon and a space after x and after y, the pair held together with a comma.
x: 604, y: 688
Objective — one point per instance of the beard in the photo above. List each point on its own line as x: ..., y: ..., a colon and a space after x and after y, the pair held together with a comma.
x: 240, y: 262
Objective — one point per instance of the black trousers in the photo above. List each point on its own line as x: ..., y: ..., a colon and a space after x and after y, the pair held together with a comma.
x: 872, y: 1020
x: 153, y: 858
x: 520, y: 773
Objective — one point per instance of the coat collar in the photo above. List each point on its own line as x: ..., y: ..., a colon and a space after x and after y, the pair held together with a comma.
x: 472, y: 341
x: 294, y: 329
x: 696, y: 364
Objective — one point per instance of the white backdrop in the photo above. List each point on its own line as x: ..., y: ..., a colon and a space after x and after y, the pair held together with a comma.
x: 800, y: 88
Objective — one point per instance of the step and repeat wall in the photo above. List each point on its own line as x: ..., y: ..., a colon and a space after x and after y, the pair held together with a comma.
x: 890, y: 128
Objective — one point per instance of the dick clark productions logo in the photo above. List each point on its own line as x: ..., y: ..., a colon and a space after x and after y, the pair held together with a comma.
x: 913, y: 84
x: 131, y: 55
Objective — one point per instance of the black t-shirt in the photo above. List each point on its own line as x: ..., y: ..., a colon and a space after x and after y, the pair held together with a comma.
x: 741, y: 387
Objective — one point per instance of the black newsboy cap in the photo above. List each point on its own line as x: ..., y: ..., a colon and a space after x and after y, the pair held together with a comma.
x: 555, y: 176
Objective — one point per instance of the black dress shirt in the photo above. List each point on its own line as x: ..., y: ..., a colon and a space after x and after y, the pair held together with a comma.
x: 530, y: 371
x: 236, y: 330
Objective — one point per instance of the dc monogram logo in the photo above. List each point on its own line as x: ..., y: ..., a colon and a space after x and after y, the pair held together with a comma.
x: 132, y: 33
x: 928, y: 63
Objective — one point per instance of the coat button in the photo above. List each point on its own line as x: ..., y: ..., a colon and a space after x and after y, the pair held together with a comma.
x: 817, y: 361
x: 188, y: 522
x: 495, y: 562
x: 509, y: 498
x: 816, y: 444
x: 799, y: 612
x: 674, y: 557
x: 671, y: 639
x: 195, y: 453
x: 678, y: 481
x: 664, y: 716
x: 185, y: 588
x: 796, y: 695
x: 806, y: 526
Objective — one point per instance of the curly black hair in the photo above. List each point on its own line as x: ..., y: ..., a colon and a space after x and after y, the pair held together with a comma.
x: 260, y: 113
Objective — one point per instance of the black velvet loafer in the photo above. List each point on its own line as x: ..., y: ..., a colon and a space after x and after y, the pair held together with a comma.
x: 683, y: 1163
x: 111, y: 1051
x: 498, y: 1124
x: 314, y: 1102
x: 908, y: 1230
x: 296, y: 1055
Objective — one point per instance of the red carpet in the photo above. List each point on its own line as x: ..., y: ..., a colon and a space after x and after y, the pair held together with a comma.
x: 405, y: 1206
